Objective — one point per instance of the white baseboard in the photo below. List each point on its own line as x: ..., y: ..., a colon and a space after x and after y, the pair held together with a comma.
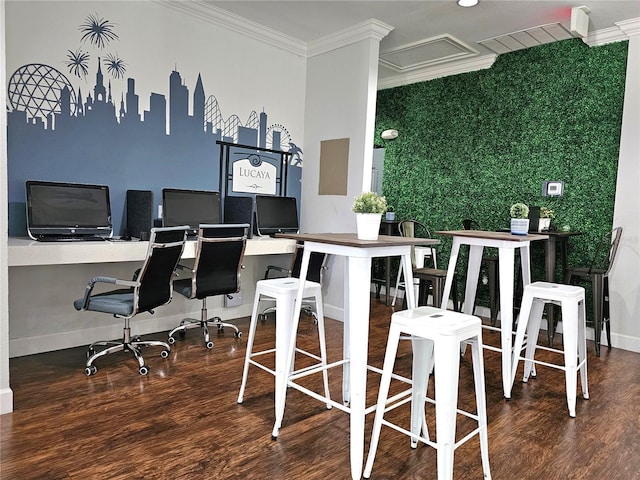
x: 140, y: 326
x: 6, y: 401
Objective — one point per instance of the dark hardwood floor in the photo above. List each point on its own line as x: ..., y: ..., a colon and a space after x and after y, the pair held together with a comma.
x: 182, y: 420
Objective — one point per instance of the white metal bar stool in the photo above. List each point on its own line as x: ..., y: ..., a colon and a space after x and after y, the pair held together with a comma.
x: 284, y: 291
x: 571, y: 299
x: 436, y: 336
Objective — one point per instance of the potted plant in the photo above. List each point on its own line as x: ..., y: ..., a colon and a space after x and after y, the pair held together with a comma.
x: 369, y: 207
x: 390, y: 215
x: 546, y: 214
x: 519, y: 218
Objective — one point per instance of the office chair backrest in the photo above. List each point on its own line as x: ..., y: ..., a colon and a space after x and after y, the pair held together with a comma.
x: 316, y: 264
x: 165, y: 249
x: 469, y: 224
x: 218, y: 259
x: 606, y: 251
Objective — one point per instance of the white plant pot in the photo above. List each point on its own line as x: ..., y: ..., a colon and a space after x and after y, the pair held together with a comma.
x: 519, y: 226
x: 368, y: 225
x: 390, y: 216
x: 544, y: 224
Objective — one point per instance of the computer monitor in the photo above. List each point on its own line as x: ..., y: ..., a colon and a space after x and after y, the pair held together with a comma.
x: 276, y: 215
x: 67, y: 209
x: 190, y: 207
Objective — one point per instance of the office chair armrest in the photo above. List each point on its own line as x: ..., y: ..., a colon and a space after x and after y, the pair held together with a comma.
x: 94, y: 280
x: 286, y: 271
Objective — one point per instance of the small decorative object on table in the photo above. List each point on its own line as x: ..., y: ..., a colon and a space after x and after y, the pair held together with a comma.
x: 369, y: 207
x: 519, y: 219
x: 390, y: 216
x: 544, y: 223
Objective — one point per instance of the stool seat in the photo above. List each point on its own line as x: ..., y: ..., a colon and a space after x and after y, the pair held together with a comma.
x: 436, y: 336
x: 284, y: 290
x: 571, y: 300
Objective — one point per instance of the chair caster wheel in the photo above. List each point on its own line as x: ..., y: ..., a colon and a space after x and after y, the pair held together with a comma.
x: 90, y: 370
x: 172, y: 340
x: 144, y: 370
x: 238, y: 334
x: 164, y: 353
x: 209, y: 345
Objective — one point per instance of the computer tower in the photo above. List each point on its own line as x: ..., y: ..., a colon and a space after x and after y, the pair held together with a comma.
x: 139, y: 209
x: 238, y: 209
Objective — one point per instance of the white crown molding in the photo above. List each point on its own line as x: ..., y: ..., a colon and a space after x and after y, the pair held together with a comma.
x: 431, y: 73
x: 369, y: 29
x: 622, y: 31
x: 630, y: 27
x: 216, y: 16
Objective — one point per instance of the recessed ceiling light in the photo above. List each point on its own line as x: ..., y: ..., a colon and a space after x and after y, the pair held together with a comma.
x: 467, y: 3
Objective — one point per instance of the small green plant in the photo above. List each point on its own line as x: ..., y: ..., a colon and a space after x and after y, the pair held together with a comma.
x: 546, y: 212
x: 369, y: 202
x: 390, y: 208
x: 519, y: 210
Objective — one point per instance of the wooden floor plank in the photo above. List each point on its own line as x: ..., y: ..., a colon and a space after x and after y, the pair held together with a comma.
x: 182, y: 420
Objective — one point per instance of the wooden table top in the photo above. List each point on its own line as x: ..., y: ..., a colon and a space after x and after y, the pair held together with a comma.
x: 506, y: 236
x: 351, y: 239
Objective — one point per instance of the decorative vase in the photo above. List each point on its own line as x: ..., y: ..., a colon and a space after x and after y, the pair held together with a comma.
x: 544, y: 224
x: 390, y: 216
x: 368, y: 225
x: 519, y: 226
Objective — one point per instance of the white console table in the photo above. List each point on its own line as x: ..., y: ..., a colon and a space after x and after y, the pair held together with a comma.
x: 46, y: 277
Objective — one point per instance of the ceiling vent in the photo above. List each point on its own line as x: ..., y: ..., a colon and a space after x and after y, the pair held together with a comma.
x: 531, y: 37
x: 426, y: 53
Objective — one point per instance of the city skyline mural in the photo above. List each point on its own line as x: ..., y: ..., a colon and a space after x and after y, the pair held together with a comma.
x: 63, y: 128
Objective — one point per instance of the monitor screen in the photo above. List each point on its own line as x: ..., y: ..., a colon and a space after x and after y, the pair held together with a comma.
x: 190, y: 207
x: 57, y: 208
x: 276, y: 215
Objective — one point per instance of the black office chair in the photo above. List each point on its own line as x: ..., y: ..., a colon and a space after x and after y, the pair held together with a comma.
x: 598, y: 274
x: 315, y: 273
x: 150, y: 288
x: 216, y: 271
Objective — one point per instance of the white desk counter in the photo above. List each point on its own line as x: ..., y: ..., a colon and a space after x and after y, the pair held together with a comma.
x: 46, y: 277
x: 24, y: 252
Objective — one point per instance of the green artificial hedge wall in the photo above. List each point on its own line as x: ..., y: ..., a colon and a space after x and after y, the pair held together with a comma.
x: 470, y: 145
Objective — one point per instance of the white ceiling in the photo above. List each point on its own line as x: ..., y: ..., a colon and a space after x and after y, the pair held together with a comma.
x: 430, y: 38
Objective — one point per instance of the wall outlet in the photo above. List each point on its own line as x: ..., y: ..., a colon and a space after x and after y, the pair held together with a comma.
x: 234, y: 301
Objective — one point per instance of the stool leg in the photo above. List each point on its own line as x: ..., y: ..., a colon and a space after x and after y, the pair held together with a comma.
x: 385, y: 382
x: 598, y: 301
x: 422, y: 363
x: 570, y: 342
x: 447, y: 364
x: 533, y: 329
x: 286, y: 331
x: 493, y: 292
x: 250, y: 340
x: 323, y: 347
x: 523, y: 323
x: 582, y: 348
x: 481, y: 402
x: 395, y: 293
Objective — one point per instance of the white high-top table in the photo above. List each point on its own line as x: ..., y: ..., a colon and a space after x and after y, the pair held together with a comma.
x: 506, y: 243
x: 357, y: 275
